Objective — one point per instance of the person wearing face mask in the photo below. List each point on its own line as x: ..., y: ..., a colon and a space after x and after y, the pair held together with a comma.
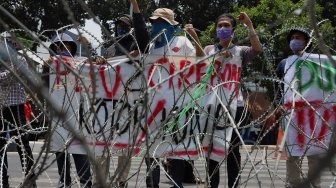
x: 299, y: 41
x: 165, y: 42
x: 163, y: 33
x: 225, y: 28
x: 124, y: 27
x: 13, y: 124
x: 123, y: 36
x: 64, y: 46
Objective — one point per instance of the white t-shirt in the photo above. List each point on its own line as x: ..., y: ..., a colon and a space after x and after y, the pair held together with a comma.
x: 179, y: 45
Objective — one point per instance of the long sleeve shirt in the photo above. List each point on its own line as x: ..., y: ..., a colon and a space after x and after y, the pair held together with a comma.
x: 128, y: 42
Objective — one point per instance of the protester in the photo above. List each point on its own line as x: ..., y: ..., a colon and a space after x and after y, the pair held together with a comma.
x: 130, y: 37
x: 12, y: 99
x: 123, y: 36
x: 299, y: 41
x: 125, y: 27
x: 297, y: 46
x: 163, y: 32
x: 225, y: 28
x: 64, y: 46
x: 163, y: 18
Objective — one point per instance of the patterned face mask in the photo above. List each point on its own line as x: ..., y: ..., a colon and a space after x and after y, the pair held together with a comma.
x: 224, y: 33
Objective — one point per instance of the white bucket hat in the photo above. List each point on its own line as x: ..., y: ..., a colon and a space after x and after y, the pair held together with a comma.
x: 63, y: 37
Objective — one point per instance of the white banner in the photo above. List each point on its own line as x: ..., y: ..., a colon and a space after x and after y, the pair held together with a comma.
x: 128, y: 107
x: 314, y: 100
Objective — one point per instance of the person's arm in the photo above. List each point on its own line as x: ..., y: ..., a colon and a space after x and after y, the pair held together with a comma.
x: 7, y: 55
x: 135, y: 5
x: 248, y: 54
x: 4, y: 76
x: 141, y: 33
x: 20, y: 64
x: 90, y: 51
x: 110, y: 51
x: 198, y: 46
x: 254, y: 39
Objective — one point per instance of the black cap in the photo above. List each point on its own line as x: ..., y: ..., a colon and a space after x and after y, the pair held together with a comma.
x: 126, y: 19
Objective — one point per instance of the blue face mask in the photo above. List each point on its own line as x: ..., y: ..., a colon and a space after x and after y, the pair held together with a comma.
x: 122, y: 31
x: 296, y: 45
x: 161, y: 40
x: 224, y: 33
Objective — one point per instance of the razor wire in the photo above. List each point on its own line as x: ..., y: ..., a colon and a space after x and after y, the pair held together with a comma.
x: 251, y: 169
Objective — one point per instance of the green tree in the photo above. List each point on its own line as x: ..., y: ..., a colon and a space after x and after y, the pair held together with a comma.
x: 40, y: 15
x: 198, y: 12
x: 328, y: 12
x: 249, y: 4
x: 201, y: 13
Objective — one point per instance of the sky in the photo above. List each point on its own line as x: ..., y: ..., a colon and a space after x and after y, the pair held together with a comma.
x: 92, y: 28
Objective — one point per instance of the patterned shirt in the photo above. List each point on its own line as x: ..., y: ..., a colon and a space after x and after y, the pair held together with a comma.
x: 11, y: 91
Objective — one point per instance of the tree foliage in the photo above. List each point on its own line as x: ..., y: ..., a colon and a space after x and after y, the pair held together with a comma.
x: 272, y: 20
x: 40, y: 15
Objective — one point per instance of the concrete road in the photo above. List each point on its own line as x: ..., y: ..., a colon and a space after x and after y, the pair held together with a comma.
x: 261, y: 175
